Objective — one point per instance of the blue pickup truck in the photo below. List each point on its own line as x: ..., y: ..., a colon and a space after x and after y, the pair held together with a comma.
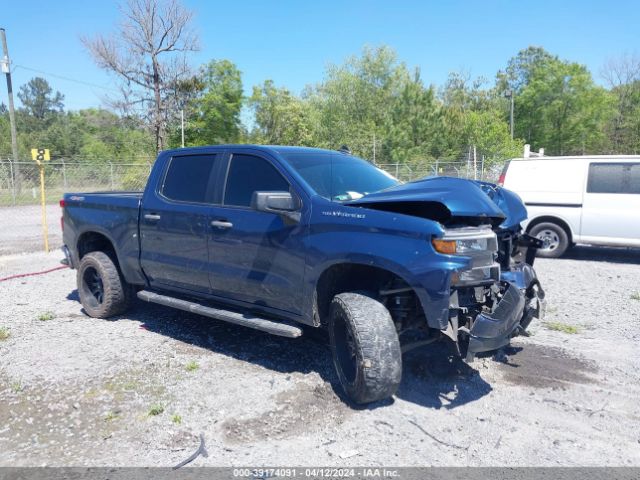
x: 279, y: 238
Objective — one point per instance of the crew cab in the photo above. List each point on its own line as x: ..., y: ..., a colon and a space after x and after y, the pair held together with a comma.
x: 277, y: 238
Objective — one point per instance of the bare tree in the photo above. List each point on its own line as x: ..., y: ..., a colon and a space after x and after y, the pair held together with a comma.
x: 149, y: 55
x: 622, y: 70
x: 622, y: 75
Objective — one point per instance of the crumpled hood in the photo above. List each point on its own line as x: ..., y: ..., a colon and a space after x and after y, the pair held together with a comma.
x: 509, y: 202
x: 459, y: 197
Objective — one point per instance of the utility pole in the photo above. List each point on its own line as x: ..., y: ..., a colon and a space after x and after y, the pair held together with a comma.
x: 374, y: 148
x: 6, y: 68
x: 475, y: 164
x: 182, y: 125
x: 509, y: 94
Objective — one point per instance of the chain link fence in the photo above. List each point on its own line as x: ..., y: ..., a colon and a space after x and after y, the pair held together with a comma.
x: 20, y: 209
x: 464, y: 168
x: 20, y: 200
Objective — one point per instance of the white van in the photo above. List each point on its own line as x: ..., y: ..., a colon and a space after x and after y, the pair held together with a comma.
x: 593, y: 200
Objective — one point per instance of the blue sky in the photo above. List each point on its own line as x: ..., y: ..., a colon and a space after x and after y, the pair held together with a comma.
x: 293, y: 42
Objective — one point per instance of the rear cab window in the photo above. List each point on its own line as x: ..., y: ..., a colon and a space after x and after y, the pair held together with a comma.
x: 622, y: 178
x: 188, y: 178
x: 248, y: 174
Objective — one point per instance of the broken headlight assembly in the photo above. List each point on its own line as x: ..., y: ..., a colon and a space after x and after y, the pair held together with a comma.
x: 479, y: 244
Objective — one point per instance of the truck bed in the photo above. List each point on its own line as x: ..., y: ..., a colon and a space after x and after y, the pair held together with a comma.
x: 112, y: 214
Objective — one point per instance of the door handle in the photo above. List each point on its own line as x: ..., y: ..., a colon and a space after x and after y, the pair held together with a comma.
x: 221, y: 224
x: 152, y: 217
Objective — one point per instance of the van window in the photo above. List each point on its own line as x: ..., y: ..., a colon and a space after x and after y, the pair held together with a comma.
x: 248, y: 174
x: 614, y: 178
x: 187, y: 178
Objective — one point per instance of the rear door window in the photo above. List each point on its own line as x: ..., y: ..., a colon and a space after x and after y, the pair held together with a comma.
x: 187, y: 178
x: 248, y: 174
x: 614, y: 178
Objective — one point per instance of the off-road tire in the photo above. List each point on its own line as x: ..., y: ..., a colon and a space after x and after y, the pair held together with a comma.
x: 117, y: 295
x: 560, y: 242
x: 375, y: 369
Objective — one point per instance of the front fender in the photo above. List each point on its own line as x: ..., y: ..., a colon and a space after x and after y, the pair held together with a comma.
x: 411, y: 259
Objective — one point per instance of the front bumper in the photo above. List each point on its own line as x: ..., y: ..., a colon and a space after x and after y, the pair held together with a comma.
x: 491, y: 331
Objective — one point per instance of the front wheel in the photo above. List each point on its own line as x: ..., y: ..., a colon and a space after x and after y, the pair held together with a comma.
x: 103, y: 292
x: 365, y: 347
x: 555, y: 240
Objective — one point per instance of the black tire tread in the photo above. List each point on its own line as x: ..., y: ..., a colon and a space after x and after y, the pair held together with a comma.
x: 373, y: 328
x: 118, y: 294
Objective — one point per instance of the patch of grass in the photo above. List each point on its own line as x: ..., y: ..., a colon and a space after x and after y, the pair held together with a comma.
x: 635, y: 296
x: 16, y: 387
x: 43, y: 317
x: 4, y: 333
x: 131, y: 385
x: 561, y: 327
x: 91, y: 393
x: 156, y: 410
x: 110, y: 416
x: 192, y: 366
x: 177, y: 419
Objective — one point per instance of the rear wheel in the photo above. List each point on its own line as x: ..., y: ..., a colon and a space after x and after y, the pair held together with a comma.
x: 555, y: 240
x: 102, y: 290
x: 365, y: 347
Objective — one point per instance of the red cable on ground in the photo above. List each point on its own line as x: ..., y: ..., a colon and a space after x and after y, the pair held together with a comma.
x: 21, y: 275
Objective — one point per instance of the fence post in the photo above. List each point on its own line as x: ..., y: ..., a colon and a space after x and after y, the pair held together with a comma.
x: 43, y: 203
x: 111, y: 174
x: 13, y: 183
x: 437, y: 169
x: 397, y: 168
x: 64, y: 174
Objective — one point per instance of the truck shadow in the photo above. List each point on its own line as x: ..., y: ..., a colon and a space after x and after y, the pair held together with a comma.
x: 435, y: 377
x: 604, y: 254
x: 432, y: 376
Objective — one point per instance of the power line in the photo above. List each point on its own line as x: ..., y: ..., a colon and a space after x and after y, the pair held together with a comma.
x: 138, y: 110
x: 69, y: 79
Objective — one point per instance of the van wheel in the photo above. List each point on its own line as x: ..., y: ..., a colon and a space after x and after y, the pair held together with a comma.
x: 365, y: 347
x: 554, y: 239
x: 103, y: 292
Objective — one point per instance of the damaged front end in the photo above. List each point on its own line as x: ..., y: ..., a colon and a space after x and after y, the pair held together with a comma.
x: 498, y: 296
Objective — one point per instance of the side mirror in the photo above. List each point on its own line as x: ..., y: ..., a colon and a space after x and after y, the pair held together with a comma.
x: 281, y: 203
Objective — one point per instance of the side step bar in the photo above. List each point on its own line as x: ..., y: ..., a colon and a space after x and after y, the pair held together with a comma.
x: 244, y: 319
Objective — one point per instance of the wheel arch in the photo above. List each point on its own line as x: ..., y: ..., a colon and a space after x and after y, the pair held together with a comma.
x: 95, y: 241
x: 347, y: 276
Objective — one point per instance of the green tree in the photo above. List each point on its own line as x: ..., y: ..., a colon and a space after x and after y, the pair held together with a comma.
x: 415, y: 124
x: 355, y: 101
x: 213, y: 114
x: 41, y: 107
x: 562, y: 110
x: 280, y: 117
x: 520, y: 68
x: 473, y: 117
x: 39, y: 100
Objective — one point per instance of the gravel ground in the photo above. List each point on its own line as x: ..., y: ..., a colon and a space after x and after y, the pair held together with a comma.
x: 24, y: 231
x: 139, y: 390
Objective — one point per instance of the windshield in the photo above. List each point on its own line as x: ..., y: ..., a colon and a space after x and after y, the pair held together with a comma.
x: 340, y: 177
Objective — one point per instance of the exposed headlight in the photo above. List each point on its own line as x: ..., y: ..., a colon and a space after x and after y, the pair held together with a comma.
x: 466, y: 242
x: 480, y: 244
